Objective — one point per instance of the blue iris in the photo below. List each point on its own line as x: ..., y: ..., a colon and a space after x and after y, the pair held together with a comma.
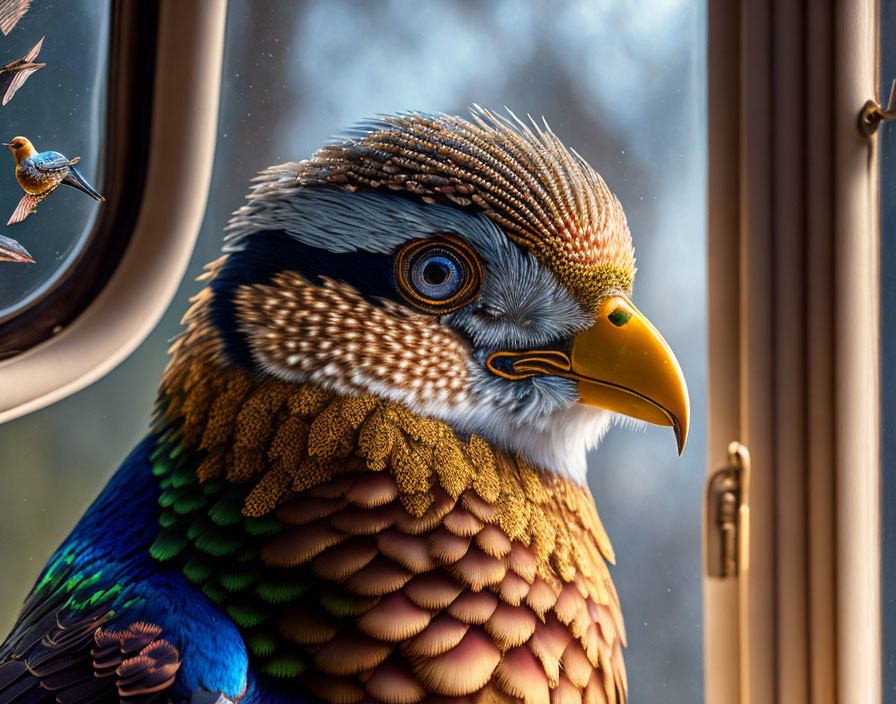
x: 436, y: 276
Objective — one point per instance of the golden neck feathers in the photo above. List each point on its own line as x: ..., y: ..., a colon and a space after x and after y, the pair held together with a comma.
x: 432, y: 564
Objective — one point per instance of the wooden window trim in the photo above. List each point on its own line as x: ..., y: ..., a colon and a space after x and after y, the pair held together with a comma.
x: 793, y: 335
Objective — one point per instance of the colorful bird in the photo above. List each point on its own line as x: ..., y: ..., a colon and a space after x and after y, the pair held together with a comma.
x: 39, y: 173
x: 365, y: 479
x: 14, y: 75
x: 12, y: 251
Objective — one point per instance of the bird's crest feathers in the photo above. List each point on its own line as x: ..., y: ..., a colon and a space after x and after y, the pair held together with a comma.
x: 545, y: 197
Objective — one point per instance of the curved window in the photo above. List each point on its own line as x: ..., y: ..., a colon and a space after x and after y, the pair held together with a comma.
x: 60, y: 107
x: 132, y: 90
x: 75, y: 241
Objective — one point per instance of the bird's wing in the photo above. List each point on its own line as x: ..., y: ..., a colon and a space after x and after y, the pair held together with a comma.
x: 11, y: 11
x: 32, y: 55
x: 14, y: 75
x: 12, y: 251
x: 60, y: 651
x: 25, y: 207
x: 49, y: 162
x: 12, y: 81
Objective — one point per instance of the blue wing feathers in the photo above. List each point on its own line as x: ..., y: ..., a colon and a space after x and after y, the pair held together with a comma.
x: 103, y: 578
x: 51, y: 161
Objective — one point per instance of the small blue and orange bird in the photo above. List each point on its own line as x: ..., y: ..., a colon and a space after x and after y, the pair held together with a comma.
x: 365, y: 480
x: 39, y: 173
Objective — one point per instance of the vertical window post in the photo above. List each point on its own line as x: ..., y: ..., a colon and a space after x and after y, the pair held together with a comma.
x: 794, y: 364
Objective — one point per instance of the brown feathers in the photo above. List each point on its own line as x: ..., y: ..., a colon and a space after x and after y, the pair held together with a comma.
x: 141, y: 664
x: 436, y: 565
x: 330, y: 332
x: 393, y: 683
x: 395, y: 618
x: 463, y: 669
x: 11, y: 11
x: 442, y: 634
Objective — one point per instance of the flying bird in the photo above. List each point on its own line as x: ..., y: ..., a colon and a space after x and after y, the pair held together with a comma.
x: 14, y: 75
x: 365, y: 478
x: 39, y: 173
x: 12, y: 251
x: 11, y: 11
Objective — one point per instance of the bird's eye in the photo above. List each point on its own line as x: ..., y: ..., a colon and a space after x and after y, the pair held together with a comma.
x: 438, y: 275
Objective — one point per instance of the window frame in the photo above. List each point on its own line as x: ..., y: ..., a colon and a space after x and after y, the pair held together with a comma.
x: 793, y: 269
x: 131, y: 68
x: 158, y: 171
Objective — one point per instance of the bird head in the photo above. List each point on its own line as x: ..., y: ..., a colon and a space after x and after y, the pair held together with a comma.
x: 477, y: 272
x: 20, y: 147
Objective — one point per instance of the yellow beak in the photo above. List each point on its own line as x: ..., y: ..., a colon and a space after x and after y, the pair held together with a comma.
x: 621, y: 364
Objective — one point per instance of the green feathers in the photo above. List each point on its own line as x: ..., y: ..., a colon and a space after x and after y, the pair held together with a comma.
x: 170, y: 542
x: 206, y: 517
x: 204, y: 532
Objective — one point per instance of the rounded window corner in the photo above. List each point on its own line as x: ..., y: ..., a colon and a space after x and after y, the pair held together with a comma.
x: 164, y: 72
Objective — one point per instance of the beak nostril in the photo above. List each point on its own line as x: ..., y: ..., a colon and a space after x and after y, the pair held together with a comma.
x: 619, y: 317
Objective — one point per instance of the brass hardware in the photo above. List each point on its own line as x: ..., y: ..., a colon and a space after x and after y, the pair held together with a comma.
x: 726, y: 512
x: 728, y: 516
x: 873, y: 114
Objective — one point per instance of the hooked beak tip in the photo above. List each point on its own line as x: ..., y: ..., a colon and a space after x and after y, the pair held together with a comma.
x: 621, y: 364
x: 681, y: 436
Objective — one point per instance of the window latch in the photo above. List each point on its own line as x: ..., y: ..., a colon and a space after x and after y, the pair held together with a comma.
x: 873, y: 114
x: 728, y: 516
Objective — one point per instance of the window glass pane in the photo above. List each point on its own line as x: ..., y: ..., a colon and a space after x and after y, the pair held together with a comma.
x: 624, y: 84
x: 61, y: 107
x: 888, y: 351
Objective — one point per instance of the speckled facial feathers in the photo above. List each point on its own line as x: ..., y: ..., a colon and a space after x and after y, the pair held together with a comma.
x: 522, y: 305
x: 328, y: 334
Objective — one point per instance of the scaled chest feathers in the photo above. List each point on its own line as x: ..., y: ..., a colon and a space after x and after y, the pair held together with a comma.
x: 366, y: 550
